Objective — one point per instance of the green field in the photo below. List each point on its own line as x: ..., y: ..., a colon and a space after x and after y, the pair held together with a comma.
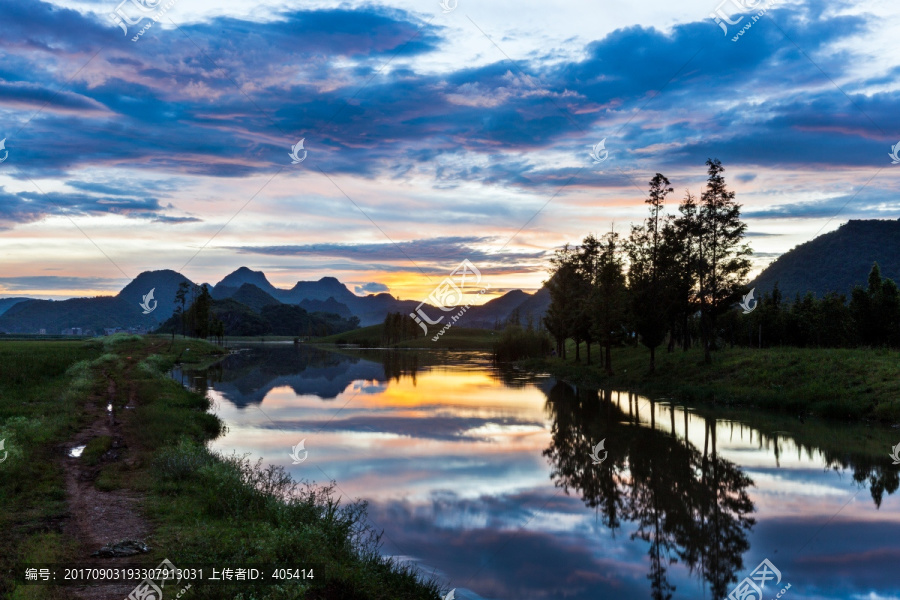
x: 846, y: 384
x: 201, y: 507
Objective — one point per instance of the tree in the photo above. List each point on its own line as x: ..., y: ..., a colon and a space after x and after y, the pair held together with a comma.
x: 609, y: 295
x: 587, y: 261
x: 685, y: 237
x: 651, y: 270
x: 199, y: 312
x: 564, y: 306
x: 876, y: 310
x: 181, y: 298
x: 723, y: 257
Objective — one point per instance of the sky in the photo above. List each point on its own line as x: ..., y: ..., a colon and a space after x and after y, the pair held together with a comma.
x: 431, y: 133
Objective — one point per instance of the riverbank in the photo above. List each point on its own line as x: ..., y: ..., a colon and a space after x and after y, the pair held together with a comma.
x: 455, y: 338
x: 145, y: 474
x: 845, y: 384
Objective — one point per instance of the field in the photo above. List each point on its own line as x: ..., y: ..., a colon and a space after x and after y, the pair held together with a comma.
x: 145, y: 473
x: 845, y: 384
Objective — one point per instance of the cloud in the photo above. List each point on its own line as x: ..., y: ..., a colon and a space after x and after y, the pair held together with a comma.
x: 53, y: 282
x: 371, y: 288
x: 441, y: 249
x: 485, y: 123
x: 29, y: 207
x: 865, y: 202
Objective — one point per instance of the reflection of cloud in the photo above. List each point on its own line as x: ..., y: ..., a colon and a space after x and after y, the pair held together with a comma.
x: 521, y: 553
x: 469, y: 429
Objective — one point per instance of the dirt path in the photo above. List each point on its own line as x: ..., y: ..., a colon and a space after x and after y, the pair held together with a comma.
x: 102, y: 517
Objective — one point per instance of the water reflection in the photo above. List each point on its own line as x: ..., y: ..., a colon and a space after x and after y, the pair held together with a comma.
x: 484, y: 477
x: 690, y: 506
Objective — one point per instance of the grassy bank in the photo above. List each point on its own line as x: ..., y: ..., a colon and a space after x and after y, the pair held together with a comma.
x: 455, y: 338
x: 42, y: 387
x: 202, y: 508
x: 847, y: 384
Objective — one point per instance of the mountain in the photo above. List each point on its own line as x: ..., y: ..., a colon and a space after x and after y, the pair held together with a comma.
x: 255, y: 302
x: 534, y: 307
x: 836, y: 261
x: 323, y: 289
x: 250, y: 295
x: 7, y: 303
x: 497, y: 310
x: 164, y: 285
x: 244, y: 275
x: 327, y: 306
x: 93, y: 314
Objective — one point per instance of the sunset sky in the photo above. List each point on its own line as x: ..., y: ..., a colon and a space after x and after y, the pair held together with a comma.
x: 432, y: 136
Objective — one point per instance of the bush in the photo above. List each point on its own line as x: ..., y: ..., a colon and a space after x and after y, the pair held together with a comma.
x: 516, y: 343
x: 181, y: 462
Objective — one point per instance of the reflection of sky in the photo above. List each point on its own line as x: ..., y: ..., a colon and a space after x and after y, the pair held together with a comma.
x: 452, y: 467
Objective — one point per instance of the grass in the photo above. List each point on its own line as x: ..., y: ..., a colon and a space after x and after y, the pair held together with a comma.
x: 204, y: 508
x: 847, y: 384
x: 455, y: 338
x: 42, y: 387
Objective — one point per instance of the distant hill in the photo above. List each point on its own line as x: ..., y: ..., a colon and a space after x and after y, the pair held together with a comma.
x: 497, y: 310
x: 244, y: 275
x: 252, y: 295
x: 836, y: 261
x: 7, y: 303
x: 270, y: 319
x: 327, y: 306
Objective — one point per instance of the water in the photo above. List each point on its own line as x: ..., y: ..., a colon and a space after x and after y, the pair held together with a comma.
x: 485, y: 478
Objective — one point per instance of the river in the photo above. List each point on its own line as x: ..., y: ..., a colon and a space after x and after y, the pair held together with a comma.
x: 492, y: 480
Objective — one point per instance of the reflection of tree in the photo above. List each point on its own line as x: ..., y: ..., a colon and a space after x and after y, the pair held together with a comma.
x: 397, y: 363
x: 688, y: 505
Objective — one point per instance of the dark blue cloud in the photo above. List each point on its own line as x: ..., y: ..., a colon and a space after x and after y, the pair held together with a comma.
x: 434, y: 249
x: 29, y: 207
x: 171, y: 102
x: 866, y: 202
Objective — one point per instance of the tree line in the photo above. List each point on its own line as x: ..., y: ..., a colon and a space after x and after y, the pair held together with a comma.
x: 198, y: 314
x: 871, y: 318
x: 677, y: 279
x: 683, y: 273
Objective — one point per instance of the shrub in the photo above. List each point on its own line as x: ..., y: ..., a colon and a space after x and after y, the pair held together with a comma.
x: 516, y: 343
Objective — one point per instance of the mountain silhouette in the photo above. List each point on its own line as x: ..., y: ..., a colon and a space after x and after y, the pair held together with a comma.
x: 835, y: 261
x: 250, y: 294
